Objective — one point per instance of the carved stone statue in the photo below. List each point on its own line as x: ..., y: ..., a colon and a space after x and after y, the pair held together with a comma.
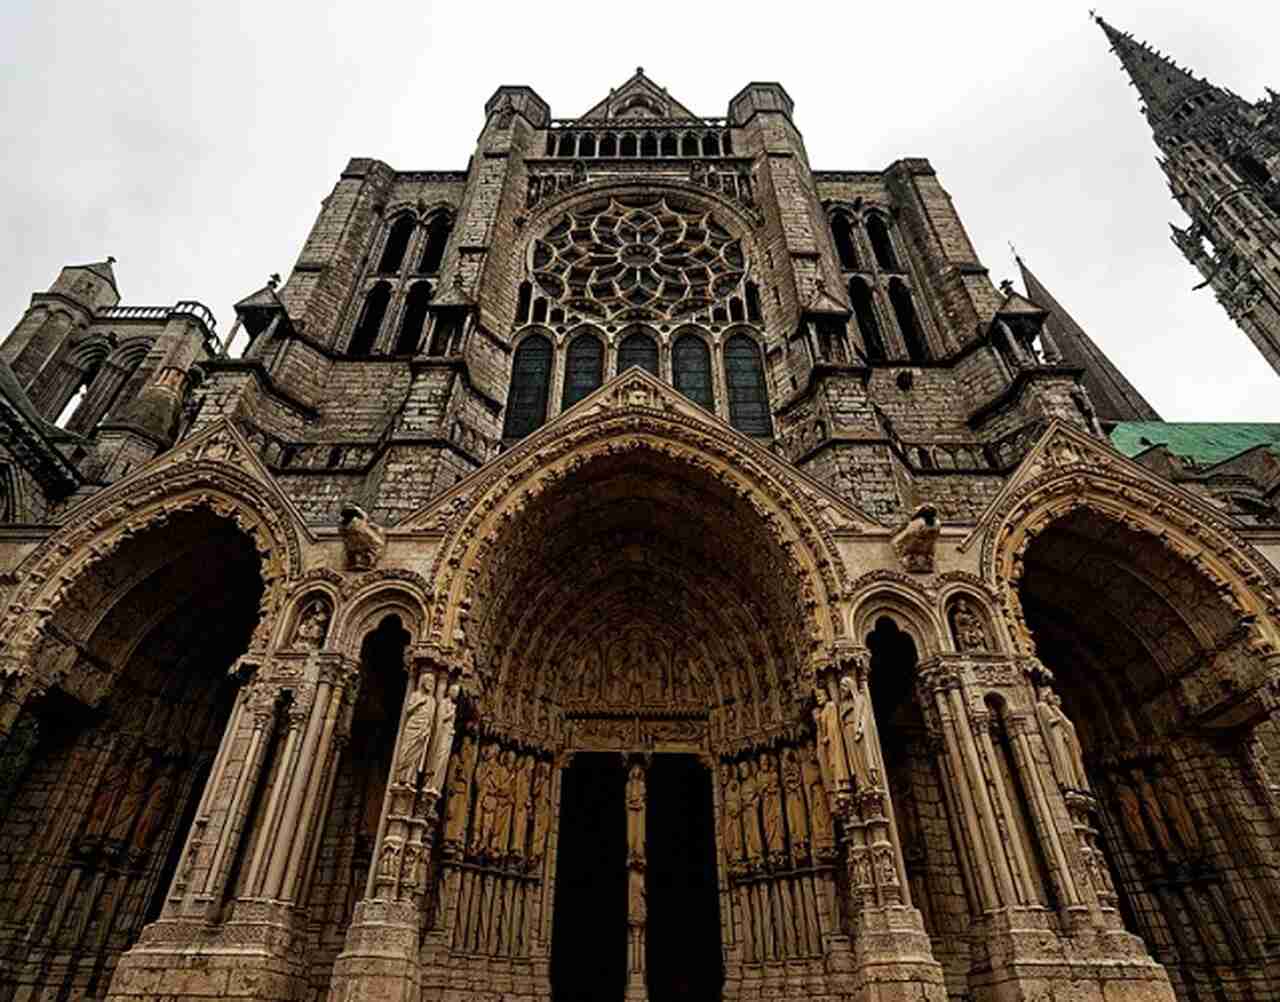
x: 1131, y: 815
x: 363, y: 540
x: 854, y: 706
x: 1060, y: 736
x: 831, y: 755
x: 158, y: 810
x: 793, y: 788
x: 732, y: 816
x: 771, y: 810
x: 113, y: 780
x: 500, y: 789
x: 313, y: 625
x: 750, y: 794
x: 521, y: 805
x: 1156, y: 816
x: 637, y: 911
x: 1175, y: 809
x: 540, y: 795
x: 442, y: 737
x: 635, y: 812
x: 914, y: 542
x: 419, y: 719
x: 459, y: 801
x: 486, y: 800
x: 131, y: 800
x: 820, y: 827
x: 970, y: 634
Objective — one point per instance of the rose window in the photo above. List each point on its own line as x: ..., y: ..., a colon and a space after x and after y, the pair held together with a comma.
x: 621, y: 259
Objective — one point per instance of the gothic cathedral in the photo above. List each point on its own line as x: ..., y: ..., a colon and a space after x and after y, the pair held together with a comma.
x: 642, y: 567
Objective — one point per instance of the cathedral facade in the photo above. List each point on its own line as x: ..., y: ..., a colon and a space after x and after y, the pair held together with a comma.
x: 637, y: 566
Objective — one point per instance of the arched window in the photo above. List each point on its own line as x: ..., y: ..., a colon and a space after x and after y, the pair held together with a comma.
x: 397, y: 243
x: 710, y: 145
x: 728, y: 144
x: 689, y: 145
x: 565, y: 149
x: 437, y: 239
x: 691, y: 367
x: 628, y: 147
x: 736, y: 313
x: 415, y: 318
x: 842, y: 231
x: 744, y: 380
x: 530, y: 387
x: 669, y: 148
x: 366, y: 332
x: 881, y: 245
x: 608, y: 146
x: 446, y: 332
x: 649, y: 145
x: 523, y: 303
x: 753, y: 302
x: 908, y: 322
x: 868, y: 326
x: 587, y: 144
x: 638, y: 349
x: 584, y: 368
x: 831, y: 340
x: 539, y: 311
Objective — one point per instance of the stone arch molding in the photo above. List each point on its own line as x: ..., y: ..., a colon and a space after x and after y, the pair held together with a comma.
x: 635, y: 413
x: 215, y: 471
x: 1067, y: 471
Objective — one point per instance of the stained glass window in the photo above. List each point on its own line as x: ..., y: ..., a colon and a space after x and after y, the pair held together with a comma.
x: 691, y: 365
x: 638, y: 349
x: 744, y: 379
x: 584, y: 368
x: 530, y: 386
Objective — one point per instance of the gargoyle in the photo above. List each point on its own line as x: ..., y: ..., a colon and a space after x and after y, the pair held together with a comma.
x: 364, y: 540
x: 915, y: 541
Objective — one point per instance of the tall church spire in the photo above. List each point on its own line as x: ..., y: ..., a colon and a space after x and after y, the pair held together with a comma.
x: 1222, y: 157
x: 1114, y: 397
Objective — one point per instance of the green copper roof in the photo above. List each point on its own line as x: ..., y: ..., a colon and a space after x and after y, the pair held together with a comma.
x: 1205, y: 443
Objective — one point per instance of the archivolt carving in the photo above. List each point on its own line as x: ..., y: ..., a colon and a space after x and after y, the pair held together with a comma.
x: 1191, y: 533
x: 95, y: 529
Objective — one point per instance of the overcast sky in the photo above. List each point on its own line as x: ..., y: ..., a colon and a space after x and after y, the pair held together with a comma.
x: 195, y: 141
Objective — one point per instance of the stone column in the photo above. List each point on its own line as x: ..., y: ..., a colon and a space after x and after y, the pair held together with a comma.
x: 636, y: 803
x: 892, y: 956
x: 381, y: 958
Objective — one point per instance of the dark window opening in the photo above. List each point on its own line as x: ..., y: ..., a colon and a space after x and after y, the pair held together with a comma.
x: 397, y: 243
x: 584, y: 369
x: 842, y: 231
x: 523, y: 303
x: 366, y: 332
x: 753, y: 302
x: 669, y: 144
x: 565, y: 149
x: 649, y: 145
x: 881, y: 244
x: 587, y: 145
x: 437, y: 239
x: 415, y: 319
x: 638, y: 349
x: 446, y: 332
x: 628, y: 148
x: 691, y: 367
x: 710, y: 145
x: 530, y: 387
x: 908, y: 323
x: 540, y: 311
x: 608, y: 146
x: 689, y: 145
x: 744, y: 379
x: 736, y: 313
x: 868, y: 326
x: 831, y: 340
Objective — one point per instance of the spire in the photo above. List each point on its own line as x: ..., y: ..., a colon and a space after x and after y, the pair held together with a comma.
x: 1113, y: 396
x: 1162, y: 83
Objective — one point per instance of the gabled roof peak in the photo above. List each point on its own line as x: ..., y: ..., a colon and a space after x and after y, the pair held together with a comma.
x: 639, y: 97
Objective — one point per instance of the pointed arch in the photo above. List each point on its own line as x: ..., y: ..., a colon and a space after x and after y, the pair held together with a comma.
x: 414, y: 320
x: 842, y: 233
x: 530, y: 387
x: 748, y: 395
x: 638, y: 347
x: 691, y: 369
x: 904, y: 311
x: 583, y: 369
x: 439, y: 227
x: 365, y: 336
x: 398, y: 237
x: 881, y: 242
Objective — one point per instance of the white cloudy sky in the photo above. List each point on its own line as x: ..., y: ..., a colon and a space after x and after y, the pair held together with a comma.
x: 194, y: 141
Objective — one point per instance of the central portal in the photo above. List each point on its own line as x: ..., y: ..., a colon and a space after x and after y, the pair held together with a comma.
x: 636, y: 920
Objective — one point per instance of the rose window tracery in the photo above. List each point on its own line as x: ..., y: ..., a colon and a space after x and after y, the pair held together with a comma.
x: 623, y: 259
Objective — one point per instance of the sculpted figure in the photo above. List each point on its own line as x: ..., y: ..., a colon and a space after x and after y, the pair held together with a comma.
x: 1156, y: 816
x: 521, y: 805
x: 442, y: 737
x: 131, y: 800
x: 793, y: 787
x: 771, y: 809
x: 916, y: 540
x: 699, y: 687
x: 750, y: 794
x: 831, y: 756
x: 157, y: 810
x: 637, y: 912
x: 419, y: 716
x: 855, y: 706
x: 1131, y: 815
x: 363, y: 540
x: 112, y: 782
x: 501, y: 782
x: 313, y: 625
x: 540, y: 793
x: 387, y: 862
x: 732, y: 816
x: 459, y: 801
x: 970, y: 634
x: 1176, y: 810
x: 1064, y: 745
x: 486, y: 799
x: 635, y: 811
x: 820, y: 826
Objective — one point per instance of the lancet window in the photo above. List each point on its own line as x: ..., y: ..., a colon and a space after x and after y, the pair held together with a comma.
x: 397, y: 244
x: 868, y: 326
x: 584, y: 369
x: 530, y: 387
x: 437, y: 240
x: 691, y: 368
x: 908, y: 322
x: 744, y: 378
x: 881, y: 243
x: 415, y: 318
x: 370, y: 323
x: 638, y: 349
x: 842, y: 232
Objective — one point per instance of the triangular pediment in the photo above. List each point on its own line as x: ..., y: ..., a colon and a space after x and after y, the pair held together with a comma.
x: 644, y: 395
x: 1063, y: 447
x: 637, y: 99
